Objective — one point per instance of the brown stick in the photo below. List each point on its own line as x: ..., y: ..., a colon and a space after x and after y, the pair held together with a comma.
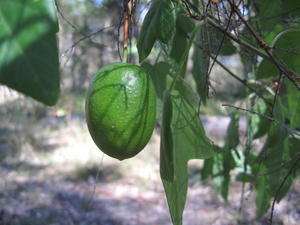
x: 128, y: 5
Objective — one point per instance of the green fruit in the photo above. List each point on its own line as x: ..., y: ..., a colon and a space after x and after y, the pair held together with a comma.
x: 121, y: 109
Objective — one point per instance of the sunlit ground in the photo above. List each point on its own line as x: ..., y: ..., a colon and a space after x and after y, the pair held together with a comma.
x: 52, y: 173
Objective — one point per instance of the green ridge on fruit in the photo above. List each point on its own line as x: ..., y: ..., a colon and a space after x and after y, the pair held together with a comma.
x: 121, y: 109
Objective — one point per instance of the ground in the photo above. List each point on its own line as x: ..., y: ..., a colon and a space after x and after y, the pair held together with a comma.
x: 52, y: 173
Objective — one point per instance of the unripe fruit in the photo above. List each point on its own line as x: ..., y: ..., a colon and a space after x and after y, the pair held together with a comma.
x: 121, y: 109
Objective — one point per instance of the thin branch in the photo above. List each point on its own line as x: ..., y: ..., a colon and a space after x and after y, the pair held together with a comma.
x: 244, y: 82
x: 220, y: 46
x: 291, y: 131
x: 65, y: 19
x: 275, y: 60
x: 213, y: 23
x: 196, y: 17
x: 268, y: 55
x: 237, y: 40
x: 69, y: 22
x: 259, y: 40
x: 88, y: 36
x: 80, y: 40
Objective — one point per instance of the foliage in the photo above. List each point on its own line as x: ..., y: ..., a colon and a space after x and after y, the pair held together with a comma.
x: 272, y: 112
x: 174, y: 35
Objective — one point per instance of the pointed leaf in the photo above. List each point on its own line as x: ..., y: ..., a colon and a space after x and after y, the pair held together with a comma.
x: 166, y: 146
x: 263, y: 196
x: 184, y: 26
x: 274, y: 153
x: 260, y: 125
x: 180, y: 43
x: 207, y: 170
x: 183, y: 138
x: 200, y: 68
x: 160, y: 74
x: 223, y: 164
x: 184, y: 23
x: 232, y: 139
x: 159, y: 24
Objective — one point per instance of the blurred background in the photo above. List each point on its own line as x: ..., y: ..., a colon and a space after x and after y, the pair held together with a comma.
x: 52, y: 173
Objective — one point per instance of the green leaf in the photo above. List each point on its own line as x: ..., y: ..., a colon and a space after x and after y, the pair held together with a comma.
x: 195, y: 2
x: 293, y: 102
x: 218, y: 42
x: 263, y: 196
x: 209, y: 41
x: 184, y: 26
x: 288, y: 104
x: 207, y: 170
x: 291, y: 7
x: 159, y: 73
x: 274, y: 153
x: 294, y: 144
x: 201, y: 62
x: 166, y: 153
x: 260, y: 125
x: 265, y: 10
x: 270, y: 15
x: 163, y: 74
x: 28, y: 48
x: 183, y: 138
x: 180, y: 43
x: 159, y: 24
x: 184, y: 23
x: 243, y: 177
x: 224, y: 162
x: 287, y: 50
x: 278, y: 112
x: 232, y: 139
x: 266, y: 69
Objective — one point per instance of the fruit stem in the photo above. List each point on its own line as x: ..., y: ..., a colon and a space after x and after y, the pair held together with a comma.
x: 128, y: 5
